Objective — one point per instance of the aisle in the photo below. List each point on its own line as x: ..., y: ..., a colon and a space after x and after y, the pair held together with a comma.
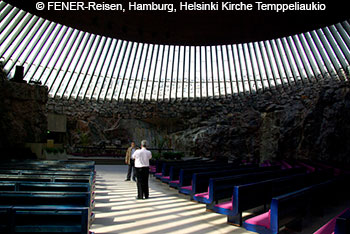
x: 167, y: 211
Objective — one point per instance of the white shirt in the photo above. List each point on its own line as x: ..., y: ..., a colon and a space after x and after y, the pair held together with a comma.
x: 142, y: 157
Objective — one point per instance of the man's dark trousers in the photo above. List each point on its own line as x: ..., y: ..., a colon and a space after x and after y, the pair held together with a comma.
x: 142, y: 174
x: 131, y: 168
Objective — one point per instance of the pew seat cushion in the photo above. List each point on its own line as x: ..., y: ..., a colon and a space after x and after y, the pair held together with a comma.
x: 260, y: 220
x: 204, y: 195
x: 166, y: 177
x: 187, y: 188
x: 225, y: 208
x: 225, y: 205
x: 175, y: 182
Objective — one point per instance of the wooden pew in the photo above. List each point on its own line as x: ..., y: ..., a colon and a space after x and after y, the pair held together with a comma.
x: 5, y: 219
x: 340, y: 224
x: 166, y: 166
x: 248, y: 196
x: 288, y: 210
x: 48, y: 178
x: 174, y: 174
x: 38, y: 186
x: 74, y: 163
x: 285, y: 209
x: 186, y: 174
x: 222, y: 187
x: 200, y: 181
x: 65, y: 163
x: 45, y: 172
x: 49, y: 219
x: 45, y: 198
x: 7, y: 186
x: 33, y: 198
x: 54, y: 187
x: 158, y: 167
x: 60, y: 194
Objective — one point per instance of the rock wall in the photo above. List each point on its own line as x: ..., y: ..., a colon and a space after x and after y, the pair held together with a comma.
x: 307, y: 120
x: 22, y: 115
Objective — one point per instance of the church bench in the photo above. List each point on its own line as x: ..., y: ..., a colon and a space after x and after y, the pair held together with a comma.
x: 35, y: 198
x: 160, y: 167
x: 168, y: 171
x: 48, y: 173
x: 200, y: 181
x: 5, y: 219
x: 45, y: 186
x: 166, y: 166
x: 49, y: 219
x: 152, y: 169
x: 326, y: 168
x: 266, y: 163
x: 49, y: 168
x: 289, y: 209
x: 60, y: 163
x: 174, y: 174
x: 58, y: 186
x: 49, y: 178
x: 45, y: 198
x: 248, y: 196
x: 44, y: 172
x: 284, y: 164
x: 186, y: 175
x: 285, y: 209
x: 335, y: 171
x: 222, y: 187
x: 340, y: 224
x: 7, y: 186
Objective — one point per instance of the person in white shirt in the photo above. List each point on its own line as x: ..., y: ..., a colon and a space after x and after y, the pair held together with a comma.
x: 142, y: 157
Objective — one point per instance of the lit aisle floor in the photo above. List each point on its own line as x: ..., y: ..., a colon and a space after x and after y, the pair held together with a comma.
x: 167, y: 211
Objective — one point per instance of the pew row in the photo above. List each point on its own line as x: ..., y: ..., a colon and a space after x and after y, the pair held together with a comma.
x: 200, y: 181
x: 174, y: 170
x: 222, y: 187
x: 49, y: 178
x: 340, y: 224
x: 44, y: 219
x: 288, y: 210
x: 248, y: 196
x: 166, y: 166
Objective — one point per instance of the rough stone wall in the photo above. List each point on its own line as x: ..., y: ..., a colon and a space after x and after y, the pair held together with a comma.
x: 22, y: 114
x: 303, y: 121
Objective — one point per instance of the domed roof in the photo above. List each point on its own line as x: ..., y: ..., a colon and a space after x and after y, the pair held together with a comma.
x: 76, y: 64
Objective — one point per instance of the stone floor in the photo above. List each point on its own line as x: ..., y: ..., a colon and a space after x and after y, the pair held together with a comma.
x: 167, y: 211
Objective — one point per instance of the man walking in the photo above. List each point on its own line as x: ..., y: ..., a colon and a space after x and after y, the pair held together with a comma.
x: 130, y: 161
x: 142, y: 157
